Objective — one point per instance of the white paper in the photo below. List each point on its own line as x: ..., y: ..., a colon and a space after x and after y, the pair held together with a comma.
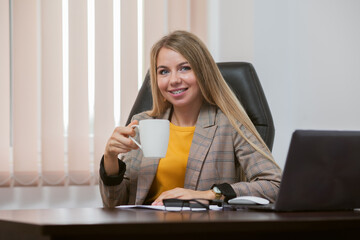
x: 169, y: 209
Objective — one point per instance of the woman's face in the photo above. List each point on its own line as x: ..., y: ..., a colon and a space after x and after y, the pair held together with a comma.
x: 176, y: 79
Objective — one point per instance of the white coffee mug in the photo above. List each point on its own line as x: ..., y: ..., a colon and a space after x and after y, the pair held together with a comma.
x: 154, y: 137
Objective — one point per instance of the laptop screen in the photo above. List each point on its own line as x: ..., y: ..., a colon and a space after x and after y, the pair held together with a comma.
x: 322, y: 172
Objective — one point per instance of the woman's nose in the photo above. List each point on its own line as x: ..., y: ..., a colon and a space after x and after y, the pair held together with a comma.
x: 175, y: 78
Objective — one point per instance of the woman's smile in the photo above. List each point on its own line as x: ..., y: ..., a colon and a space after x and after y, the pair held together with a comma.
x: 178, y: 92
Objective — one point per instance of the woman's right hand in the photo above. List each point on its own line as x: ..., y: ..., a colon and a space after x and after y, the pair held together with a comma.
x: 119, y: 142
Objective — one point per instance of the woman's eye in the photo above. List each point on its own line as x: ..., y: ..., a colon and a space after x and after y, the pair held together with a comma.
x: 163, y: 71
x: 185, y: 68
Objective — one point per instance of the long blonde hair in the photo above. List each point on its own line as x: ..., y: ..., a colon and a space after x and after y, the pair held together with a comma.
x: 213, y: 87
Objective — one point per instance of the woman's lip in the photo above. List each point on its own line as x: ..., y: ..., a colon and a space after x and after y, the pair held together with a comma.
x: 182, y: 91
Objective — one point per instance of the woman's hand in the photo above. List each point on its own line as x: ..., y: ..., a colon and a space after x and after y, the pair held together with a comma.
x: 182, y: 193
x: 119, y: 142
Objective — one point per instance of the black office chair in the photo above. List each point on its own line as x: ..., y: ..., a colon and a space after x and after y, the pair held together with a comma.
x: 243, y: 80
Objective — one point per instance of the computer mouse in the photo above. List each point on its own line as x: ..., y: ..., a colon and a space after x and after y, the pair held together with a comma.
x: 248, y: 200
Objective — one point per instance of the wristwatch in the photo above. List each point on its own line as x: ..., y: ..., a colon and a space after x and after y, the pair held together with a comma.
x: 217, y: 192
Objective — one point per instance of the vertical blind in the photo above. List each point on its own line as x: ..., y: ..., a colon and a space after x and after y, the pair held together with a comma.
x: 70, y: 71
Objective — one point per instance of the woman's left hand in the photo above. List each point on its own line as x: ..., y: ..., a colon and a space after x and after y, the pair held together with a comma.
x: 182, y: 193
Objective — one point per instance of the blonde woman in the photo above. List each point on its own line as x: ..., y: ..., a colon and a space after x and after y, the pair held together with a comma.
x: 214, y: 149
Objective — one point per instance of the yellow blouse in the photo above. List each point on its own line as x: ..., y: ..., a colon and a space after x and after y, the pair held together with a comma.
x: 171, y: 169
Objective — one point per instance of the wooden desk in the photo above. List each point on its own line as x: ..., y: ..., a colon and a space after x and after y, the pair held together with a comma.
x: 107, y: 224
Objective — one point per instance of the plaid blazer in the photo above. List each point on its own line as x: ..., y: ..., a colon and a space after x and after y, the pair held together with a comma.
x: 218, y: 154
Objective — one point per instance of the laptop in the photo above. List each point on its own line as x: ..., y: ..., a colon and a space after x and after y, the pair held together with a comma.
x: 321, y: 173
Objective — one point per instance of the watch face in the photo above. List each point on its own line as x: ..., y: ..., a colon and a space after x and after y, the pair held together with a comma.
x: 216, y: 190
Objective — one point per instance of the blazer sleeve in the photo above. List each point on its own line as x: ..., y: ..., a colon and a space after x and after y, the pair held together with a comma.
x: 262, y: 175
x: 114, y: 190
x: 117, y: 190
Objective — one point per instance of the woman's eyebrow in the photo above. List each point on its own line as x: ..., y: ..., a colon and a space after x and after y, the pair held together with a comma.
x: 183, y: 63
x: 161, y: 66
x: 180, y: 64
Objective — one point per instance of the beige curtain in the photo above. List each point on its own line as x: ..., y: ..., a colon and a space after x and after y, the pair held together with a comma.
x: 4, y: 94
x: 38, y: 144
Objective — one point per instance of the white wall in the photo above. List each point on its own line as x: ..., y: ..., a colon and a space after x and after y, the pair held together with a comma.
x: 307, y: 56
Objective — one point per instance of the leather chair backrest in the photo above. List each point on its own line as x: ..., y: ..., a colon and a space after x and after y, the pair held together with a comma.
x: 243, y: 80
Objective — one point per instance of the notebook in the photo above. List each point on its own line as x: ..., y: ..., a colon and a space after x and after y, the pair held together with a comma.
x: 321, y: 173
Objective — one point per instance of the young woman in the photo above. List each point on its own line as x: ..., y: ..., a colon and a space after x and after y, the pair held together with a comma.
x: 214, y: 149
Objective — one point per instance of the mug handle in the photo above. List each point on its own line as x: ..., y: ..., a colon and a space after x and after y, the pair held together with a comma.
x: 135, y: 126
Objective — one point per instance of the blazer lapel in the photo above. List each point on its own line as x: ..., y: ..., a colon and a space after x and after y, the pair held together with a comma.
x: 203, y: 137
x: 148, y: 168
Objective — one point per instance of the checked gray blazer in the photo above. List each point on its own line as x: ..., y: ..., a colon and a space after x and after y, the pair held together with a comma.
x: 218, y: 154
